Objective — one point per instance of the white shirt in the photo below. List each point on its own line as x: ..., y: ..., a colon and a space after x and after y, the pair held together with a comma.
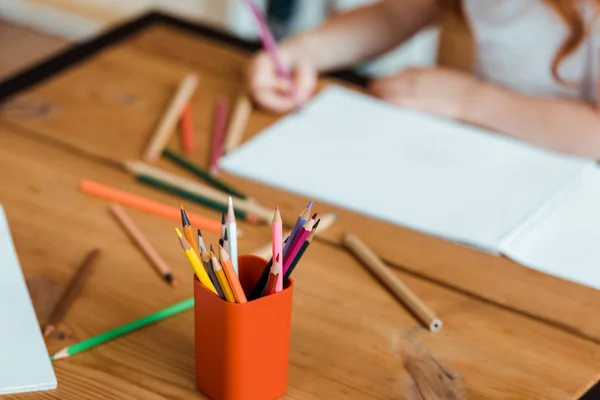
x: 516, y: 41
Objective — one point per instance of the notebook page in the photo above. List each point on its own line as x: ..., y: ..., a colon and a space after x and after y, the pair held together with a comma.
x: 24, y: 362
x: 405, y: 167
x: 564, y: 241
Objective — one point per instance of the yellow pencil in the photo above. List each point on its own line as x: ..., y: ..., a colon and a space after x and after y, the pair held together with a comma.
x: 222, y: 279
x: 195, y: 262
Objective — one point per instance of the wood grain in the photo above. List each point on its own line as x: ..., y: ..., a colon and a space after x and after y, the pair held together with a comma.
x: 108, y: 100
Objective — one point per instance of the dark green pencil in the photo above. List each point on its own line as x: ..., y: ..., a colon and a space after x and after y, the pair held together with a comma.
x: 192, y: 196
x: 202, y: 174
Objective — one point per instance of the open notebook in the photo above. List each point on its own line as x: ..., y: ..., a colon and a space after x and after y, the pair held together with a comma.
x: 433, y: 175
x: 24, y: 362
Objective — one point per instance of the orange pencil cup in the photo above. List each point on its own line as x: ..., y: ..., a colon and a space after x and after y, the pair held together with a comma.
x: 242, y: 350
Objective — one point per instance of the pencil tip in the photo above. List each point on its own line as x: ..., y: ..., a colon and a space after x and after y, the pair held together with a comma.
x: 314, y: 216
x: 277, y: 258
x: 169, y: 278
x: 277, y: 208
x: 225, y: 235
x: 310, y: 204
x: 179, y: 235
x: 316, y: 223
x: 184, y: 218
x: 230, y: 202
x: 199, y: 232
x: 211, y: 248
x: 223, y: 218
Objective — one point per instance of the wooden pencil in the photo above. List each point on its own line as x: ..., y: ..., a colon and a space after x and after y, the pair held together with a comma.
x: 188, y: 233
x: 258, y: 212
x: 202, y: 174
x: 297, y: 245
x: 274, y: 277
x: 167, y: 123
x: 220, y: 126
x: 232, y: 278
x: 239, y: 120
x: 201, y: 244
x: 187, y: 129
x: 195, y: 262
x: 71, y: 292
x: 136, y: 235
x: 298, y: 257
x: 374, y: 264
x: 266, y: 250
x: 300, y: 221
x: 221, y: 277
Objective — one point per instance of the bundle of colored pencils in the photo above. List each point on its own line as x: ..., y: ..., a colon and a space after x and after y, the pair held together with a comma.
x: 218, y: 270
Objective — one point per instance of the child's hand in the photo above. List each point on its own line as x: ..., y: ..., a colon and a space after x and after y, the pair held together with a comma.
x: 276, y: 93
x: 434, y: 90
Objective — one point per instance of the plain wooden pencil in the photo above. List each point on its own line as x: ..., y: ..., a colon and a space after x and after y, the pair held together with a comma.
x: 237, y: 124
x: 391, y: 281
x: 255, y: 211
x: 136, y: 235
x: 167, y: 123
x: 70, y: 292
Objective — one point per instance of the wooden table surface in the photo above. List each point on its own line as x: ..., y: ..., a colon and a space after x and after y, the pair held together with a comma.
x: 510, y: 332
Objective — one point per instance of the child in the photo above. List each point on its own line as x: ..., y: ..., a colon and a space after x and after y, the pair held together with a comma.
x: 537, y: 65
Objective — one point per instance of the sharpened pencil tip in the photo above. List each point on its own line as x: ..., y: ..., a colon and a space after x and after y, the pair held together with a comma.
x: 199, y: 232
x: 314, y: 216
x: 184, y: 218
x: 310, y: 204
x: 223, y: 218
x: 179, y: 235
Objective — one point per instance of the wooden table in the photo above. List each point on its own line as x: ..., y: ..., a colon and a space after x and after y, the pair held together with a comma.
x: 510, y: 332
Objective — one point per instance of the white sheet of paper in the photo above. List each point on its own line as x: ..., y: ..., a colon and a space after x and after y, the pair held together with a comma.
x: 24, y: 361
x: 564, y: 239
x: 433, y: 175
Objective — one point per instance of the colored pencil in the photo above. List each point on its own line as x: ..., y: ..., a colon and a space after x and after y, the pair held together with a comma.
x: 266, y: 250
x: 147, y: 205
x: 193, y: 197
x: 382, y: 272
x: 249, y: 206
x: 298, y: 257
x: 207, y: 262
x: 225, y: 243
x: 239, y: 120
x: 220, y: 126
x: 232, y: 278
x: 267, y: 40
x: 124, y: 329
x: 222, y: 278
x: 276, y: 239
x: 300, y: 222
x: 202, y: 174
x: 201, y: 244
x: 195, y: 262
x: 297, y: 245
x: 167, y: 123
x: 232, y: 240
x: 274, y: 277
x: 223, y: 225
x: 187, y: 129
x: 71, y: 292
x: 136, y: 235
x: 261, y: 284
x: 188, y: 233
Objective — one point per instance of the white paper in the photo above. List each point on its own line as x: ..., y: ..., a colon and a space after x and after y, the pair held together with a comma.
x: 433, y: 175
x: 564, y: 239
x: 24, y: 362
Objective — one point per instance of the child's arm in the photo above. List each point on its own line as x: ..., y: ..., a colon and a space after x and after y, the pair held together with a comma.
x: 564, y: 125
x: 363, y: 33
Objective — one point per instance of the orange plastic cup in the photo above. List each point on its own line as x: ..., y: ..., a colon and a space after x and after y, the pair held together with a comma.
x: 242, y: 350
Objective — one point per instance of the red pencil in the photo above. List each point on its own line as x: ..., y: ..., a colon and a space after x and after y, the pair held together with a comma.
x: 187, y: 130
x: 219, y: 134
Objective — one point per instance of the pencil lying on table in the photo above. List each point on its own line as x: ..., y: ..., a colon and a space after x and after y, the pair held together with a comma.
x: 124, y: 329
x: 391, y: 281
x: 237, y: 125
x: 218, y: 138
x: 136, y: 235
x: 71, y: 292
x: 167, y: 123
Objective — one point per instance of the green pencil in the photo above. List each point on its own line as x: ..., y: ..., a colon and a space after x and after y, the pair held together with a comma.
x: 158, y: 184
x: 124, y: 329
x: 202, y: 174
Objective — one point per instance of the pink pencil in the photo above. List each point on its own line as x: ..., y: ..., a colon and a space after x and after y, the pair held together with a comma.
x: 187, y: 130
x: 267, y: 39
x: 277, y: 234
x: 219, y: 134
x: 298, y: 242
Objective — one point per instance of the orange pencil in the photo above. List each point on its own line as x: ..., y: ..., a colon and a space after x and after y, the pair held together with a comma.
x: 232, y: 278
x: 187, y: 231
x: 221, y: 277
x: 144, y: 204
x: 274, y: 277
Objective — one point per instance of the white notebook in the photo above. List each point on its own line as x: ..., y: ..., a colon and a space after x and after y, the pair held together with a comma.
x: 24, y: 362
x: 433, y: 175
